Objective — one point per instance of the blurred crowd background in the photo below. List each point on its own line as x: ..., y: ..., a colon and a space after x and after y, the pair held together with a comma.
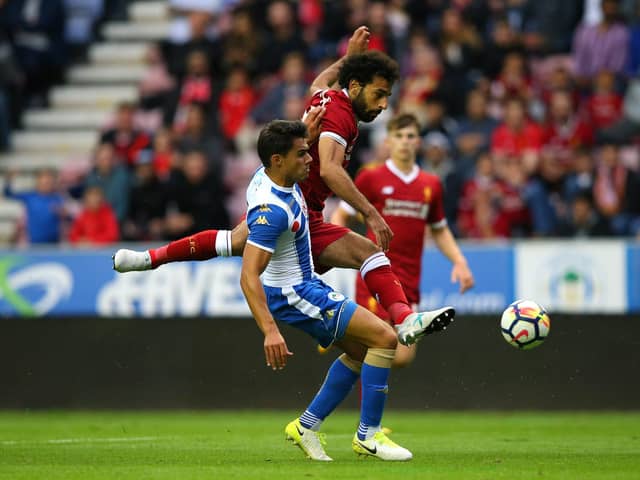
x: 530, y: 111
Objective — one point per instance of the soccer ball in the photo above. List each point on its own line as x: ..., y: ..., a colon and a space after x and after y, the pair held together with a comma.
x: 525, y: 324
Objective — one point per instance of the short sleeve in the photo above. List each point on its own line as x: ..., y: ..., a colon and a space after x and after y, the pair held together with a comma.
x: 266, y: 222
x: 337, y: 122
x: 364, y: 183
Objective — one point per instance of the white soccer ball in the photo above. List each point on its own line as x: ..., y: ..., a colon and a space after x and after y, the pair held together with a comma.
x: 525, y: 324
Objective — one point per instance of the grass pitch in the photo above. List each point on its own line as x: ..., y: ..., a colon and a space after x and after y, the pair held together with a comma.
x: 250, y: 445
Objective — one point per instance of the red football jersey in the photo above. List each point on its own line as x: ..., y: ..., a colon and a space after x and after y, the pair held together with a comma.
x: 407, y: 202
x: 339, y: 123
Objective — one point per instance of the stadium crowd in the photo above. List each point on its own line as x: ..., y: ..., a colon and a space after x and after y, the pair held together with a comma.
x: 530, y: 111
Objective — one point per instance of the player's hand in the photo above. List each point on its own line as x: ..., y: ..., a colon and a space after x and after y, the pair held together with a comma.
x: 380, y: 229
x: 359, y: 41
x: 275, y: 350
x: 313, y: 121
x: 461, y: 273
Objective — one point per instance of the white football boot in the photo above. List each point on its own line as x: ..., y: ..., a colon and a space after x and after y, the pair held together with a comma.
x: 419, y: 324
x: 382, y: 447
x: 126, y: 260
x: 309, y: 441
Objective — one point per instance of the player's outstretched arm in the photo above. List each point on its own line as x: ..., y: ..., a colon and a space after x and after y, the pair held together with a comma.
x: 358, y: 43
x: 446, y: 243
x: 331, y: 155
x: 254, y: 261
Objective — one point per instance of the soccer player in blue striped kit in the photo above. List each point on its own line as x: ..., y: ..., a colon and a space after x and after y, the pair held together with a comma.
x: 278, y: 282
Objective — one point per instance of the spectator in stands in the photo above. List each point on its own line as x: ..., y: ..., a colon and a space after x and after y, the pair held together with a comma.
x: 37, y: 30
x: 481, y: 213
x: 438, y: 160
x: 581, y: 175
x: 601, y: 47
x: 437, y: 119
x: 565, y: 130
x: 475, y: 128
x: 460, y: 48
x: 627, y: 129
x: 633, y: 65
x: 503, y: 40
x: 163, y: 153
x: 517, y: 136
x: 147, y: 202
x: 10, y: 81
x: 544, y: 195
x: 124, y: 137
x: 195, y: 87
x: 604, y: 105
x: 282, y: 38
x: 96, y: 224
x: 422, y: 79
x: 583, y: 220
x: 236, y: 101
x: 197, y: 199
x: 513, y: 80
x: 44, y: 207
x: 82, y: 16
x: 156, y: 83
x: 617, y: 192
x: 197, y: 135
x: 241, y: 45
x: 292, y: 83
x: 549, y: 25
x: 112, y: 177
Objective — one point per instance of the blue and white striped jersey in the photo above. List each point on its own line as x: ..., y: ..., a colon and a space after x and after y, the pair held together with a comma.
x: 277, y: 221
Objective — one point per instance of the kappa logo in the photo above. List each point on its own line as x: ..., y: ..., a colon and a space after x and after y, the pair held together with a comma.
x: 335, y: 296
x: 262, y: 220
x: 330, y: 314
x: 264, y: 208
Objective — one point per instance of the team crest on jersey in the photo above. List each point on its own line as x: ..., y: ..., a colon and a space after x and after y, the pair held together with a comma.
x: 264, y: 208
x: 335, y: 296
x: 427, y: 194
x: 262, y: 220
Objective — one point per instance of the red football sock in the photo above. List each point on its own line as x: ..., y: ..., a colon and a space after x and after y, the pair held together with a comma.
x: 385, y: 286
x: 200, y: 246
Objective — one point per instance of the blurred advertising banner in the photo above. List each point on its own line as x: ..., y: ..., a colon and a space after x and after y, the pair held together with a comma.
x: 601, y: 276
x: 573, y: 277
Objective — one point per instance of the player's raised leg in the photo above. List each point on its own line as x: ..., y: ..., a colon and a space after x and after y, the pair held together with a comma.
x: 199, y: 246
x: 355, y: 251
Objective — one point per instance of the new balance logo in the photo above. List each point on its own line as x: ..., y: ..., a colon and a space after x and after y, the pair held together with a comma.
x: 262, y: 220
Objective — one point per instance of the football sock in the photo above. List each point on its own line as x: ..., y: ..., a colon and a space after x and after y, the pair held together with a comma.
x: 339, y: 381
x: 200, y: 246
x: 374, y: 377
x: 385, y: 286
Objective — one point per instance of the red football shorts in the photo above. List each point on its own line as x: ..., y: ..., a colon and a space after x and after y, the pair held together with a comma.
x: 323, y: 234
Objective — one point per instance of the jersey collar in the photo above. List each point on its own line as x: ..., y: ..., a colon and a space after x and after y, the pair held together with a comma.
x: 405, y: 177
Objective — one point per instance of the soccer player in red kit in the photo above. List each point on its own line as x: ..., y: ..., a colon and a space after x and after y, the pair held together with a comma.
x: 409, y: 200
x: 365, y: 79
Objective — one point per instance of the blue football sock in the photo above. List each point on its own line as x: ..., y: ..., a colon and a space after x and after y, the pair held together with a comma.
x: 374, y: 394
x: 337, y: 385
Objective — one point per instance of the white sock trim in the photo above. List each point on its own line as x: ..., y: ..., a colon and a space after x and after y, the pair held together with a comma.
x: 223, y: 243
x: 376, y: 260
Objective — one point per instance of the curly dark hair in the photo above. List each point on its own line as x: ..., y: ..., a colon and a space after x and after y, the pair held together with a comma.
x: 364, y: 66
x: 277, y: 137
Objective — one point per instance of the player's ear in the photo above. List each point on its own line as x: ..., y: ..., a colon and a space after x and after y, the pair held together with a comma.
x: 355, y: 87
x: 276, y: 160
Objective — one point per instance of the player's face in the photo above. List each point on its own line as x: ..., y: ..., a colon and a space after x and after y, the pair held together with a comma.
x: 404, y: 143
x: 297, y: 162
x: 372, y: 99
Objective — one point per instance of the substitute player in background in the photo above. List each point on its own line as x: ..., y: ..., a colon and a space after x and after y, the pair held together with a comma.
x: 365, y: 81
x: 408, y: 199
x: 278, y: 281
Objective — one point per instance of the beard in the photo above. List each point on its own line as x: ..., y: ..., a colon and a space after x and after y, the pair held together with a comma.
x: 360, y: 109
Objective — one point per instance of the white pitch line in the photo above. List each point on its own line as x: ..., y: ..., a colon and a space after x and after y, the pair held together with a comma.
x: 57, y: 441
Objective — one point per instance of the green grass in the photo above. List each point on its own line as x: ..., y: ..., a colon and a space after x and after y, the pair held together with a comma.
x: 250, y: 445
